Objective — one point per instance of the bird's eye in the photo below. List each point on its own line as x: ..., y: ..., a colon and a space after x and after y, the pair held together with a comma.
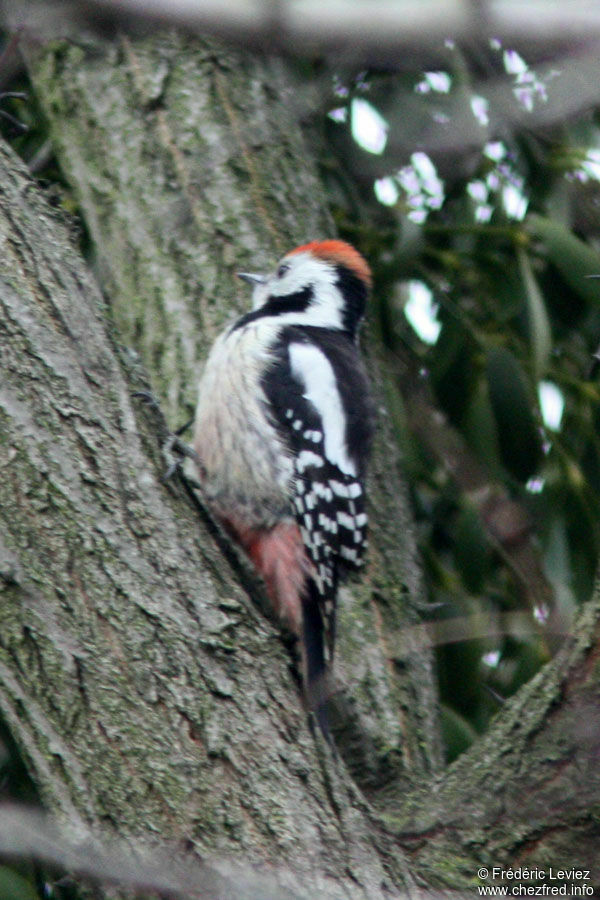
x: 283, y: 268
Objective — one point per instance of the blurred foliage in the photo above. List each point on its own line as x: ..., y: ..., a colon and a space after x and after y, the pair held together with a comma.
x: 498, y: 227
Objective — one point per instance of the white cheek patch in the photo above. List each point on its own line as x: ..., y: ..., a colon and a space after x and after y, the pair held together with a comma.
x: 260, y: 295
x: 305, y: 272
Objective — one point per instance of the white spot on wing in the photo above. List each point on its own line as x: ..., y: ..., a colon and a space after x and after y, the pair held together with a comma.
x: 345, y: 520
x: 339, y: 489
x: 348, y: 553
x: 308, y: 458
x: 314, y: 436
x: 313, y: 369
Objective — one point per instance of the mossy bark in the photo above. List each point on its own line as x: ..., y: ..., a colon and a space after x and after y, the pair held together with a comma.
x: 143, y: 684
x: 189, y: 164
x: 143, y: 687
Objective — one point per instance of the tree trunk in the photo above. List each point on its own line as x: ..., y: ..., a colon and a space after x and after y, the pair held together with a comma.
x: 136, y: 672
x: 142, y: 681
x: 189, y: 166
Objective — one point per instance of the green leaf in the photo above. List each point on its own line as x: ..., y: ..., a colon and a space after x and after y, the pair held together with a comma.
x: 479, y: 427
x: 471, y: 549
x: 14, y: 886
x: 539, y: 324
x: 458, y: 733
x: 577, y: 261
x: 518, y: 432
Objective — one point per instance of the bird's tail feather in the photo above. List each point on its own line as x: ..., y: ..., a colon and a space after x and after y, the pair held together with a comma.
x: 313, y: 652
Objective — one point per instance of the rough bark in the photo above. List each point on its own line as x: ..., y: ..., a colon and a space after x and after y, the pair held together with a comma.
x: 189, y: 165
x: 127, y: 649
x: 143, y: 688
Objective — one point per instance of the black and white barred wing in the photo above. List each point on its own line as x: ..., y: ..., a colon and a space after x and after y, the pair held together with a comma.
x: 319, y: 397
x: 328, y: 492
x: 329, y: 496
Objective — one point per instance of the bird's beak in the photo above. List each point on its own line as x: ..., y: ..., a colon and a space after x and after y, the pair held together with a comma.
x: 251, y: 278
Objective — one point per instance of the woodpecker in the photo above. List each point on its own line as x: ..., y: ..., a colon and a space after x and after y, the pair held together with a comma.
x: 282, y: 433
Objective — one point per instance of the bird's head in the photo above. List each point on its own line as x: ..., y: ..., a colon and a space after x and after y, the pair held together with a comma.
x: 324, y: 284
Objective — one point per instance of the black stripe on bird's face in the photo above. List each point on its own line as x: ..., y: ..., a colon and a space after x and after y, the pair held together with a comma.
x: 277, y: 306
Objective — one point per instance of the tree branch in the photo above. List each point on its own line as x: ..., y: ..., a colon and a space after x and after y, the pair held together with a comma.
x: 527, y: 793
x: 373, y: 32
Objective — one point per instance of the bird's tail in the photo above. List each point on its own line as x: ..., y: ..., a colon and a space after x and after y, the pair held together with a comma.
x: 313, y: 652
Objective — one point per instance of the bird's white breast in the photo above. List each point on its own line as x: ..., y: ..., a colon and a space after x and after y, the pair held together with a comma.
x: 245, y: 465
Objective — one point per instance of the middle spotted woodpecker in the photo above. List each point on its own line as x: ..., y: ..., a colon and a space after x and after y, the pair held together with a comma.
x: 282, y: 433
